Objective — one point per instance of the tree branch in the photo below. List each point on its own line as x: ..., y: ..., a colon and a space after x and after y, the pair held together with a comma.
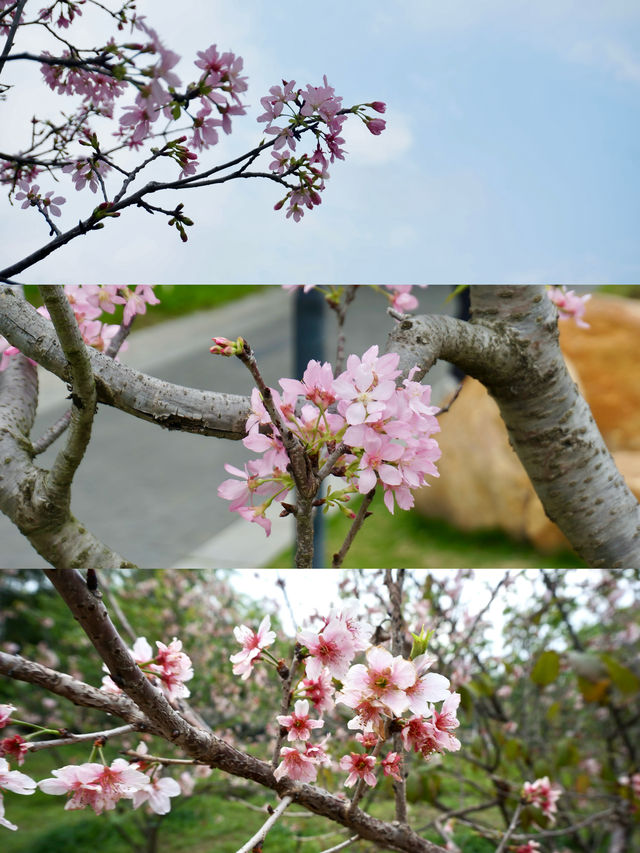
x: 511, y: 346
x: 58, y: 483
x: 163, y: 403
x: 208, y: 748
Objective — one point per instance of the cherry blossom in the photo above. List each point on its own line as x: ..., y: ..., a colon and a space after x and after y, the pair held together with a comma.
x: 391, y: 765
x: 13, y: 780
x: 360, y: 767
x: 569, y: 304
x: 15, y: 746
x: 384, y: 681
x: 332, y: 648
x: 157, y: 794
x: 5, y: 714
x: 95, y: 785
x: 299, y: 766
x: 543, y: 794
x: 253, y: 644
x: 298, y: 724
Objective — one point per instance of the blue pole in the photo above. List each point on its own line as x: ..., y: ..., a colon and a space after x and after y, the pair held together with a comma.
x: 309, y: 332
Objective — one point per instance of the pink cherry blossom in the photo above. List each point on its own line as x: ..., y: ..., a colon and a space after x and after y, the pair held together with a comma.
x: 569, y: 304
x: 253, y: 644
x: 360, y: 767
x: 529, y: 847
x: 384, y: 680
x: 173, y: 668
x: 5, y: 714
x: 136, y: 301
x: 95, y: 785
x: 319, y: 691
x: 15, y: 746
x: 333, y: 648
x: 157, y: 794
x: 14, y: 780
x: 299, y: 766
x: 298, y: 724
x: 543, y: 794
x: 391, y: 765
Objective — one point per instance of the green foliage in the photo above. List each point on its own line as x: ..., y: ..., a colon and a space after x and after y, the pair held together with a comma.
x: 546, y: 668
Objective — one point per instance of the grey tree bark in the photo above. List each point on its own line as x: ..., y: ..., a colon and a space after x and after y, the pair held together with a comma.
x: 511, y: 346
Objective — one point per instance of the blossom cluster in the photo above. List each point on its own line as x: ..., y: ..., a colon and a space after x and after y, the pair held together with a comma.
x: 89, y: 301
x: 543, y: 794
x: 386, y: 431
x: 140, y: 75
x: 385, y: 693
x: 287, y: 110
x: 170, y: 667
x: 569, y: 304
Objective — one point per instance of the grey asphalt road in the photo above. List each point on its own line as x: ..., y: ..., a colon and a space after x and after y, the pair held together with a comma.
x: 151, y: 494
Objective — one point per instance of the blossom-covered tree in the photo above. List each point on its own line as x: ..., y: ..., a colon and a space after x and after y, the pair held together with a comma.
x: 130, y: 133
x: 529, y: 744
x: 368, y: 421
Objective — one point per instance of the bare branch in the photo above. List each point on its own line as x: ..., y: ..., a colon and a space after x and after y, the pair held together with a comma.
x: 36, y: 745
x: 261, y: 834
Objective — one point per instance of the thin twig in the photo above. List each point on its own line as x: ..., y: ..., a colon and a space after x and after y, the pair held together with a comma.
x: 355, y: 527
x: 36, y: 745
x: 342, y: 845
x: 261, y: 834
x: 158, y: 759
x: 512, y: 828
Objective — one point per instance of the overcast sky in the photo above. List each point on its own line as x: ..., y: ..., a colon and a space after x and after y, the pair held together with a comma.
x: 511, y: 152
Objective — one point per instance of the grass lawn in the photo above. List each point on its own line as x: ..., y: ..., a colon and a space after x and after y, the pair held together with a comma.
x: 409, y: 540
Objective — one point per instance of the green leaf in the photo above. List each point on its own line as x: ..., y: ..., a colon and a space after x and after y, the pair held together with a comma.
x: 624, y: 679
x: 546, y: 669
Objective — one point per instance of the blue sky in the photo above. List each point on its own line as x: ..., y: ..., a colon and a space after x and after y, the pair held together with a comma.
x: 511, y: 154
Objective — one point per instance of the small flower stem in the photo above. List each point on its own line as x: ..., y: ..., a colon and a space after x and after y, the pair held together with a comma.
x: 355, y: 527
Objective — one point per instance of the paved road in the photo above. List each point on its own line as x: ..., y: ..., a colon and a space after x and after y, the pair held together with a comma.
x: 150, y: 493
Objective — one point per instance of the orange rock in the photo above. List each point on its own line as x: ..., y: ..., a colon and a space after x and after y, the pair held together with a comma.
x: 482, y: 483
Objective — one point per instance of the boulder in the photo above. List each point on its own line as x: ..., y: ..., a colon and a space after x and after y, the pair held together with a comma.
x: 482, y: 483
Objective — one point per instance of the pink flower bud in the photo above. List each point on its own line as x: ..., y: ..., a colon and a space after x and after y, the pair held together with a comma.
x: 378, y: 106
x: 376, y: 126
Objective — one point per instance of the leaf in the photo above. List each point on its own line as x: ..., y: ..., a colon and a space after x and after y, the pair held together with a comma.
x: 624, y: 679
x: 546, y: 669
x: 593, y: 691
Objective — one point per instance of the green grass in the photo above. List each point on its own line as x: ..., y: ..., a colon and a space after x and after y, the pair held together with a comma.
x: 175, y: 300
x: 630, y: 291
x: 406, y: 539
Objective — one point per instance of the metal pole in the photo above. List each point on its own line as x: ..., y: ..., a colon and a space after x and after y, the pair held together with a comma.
x: 309, y: 332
